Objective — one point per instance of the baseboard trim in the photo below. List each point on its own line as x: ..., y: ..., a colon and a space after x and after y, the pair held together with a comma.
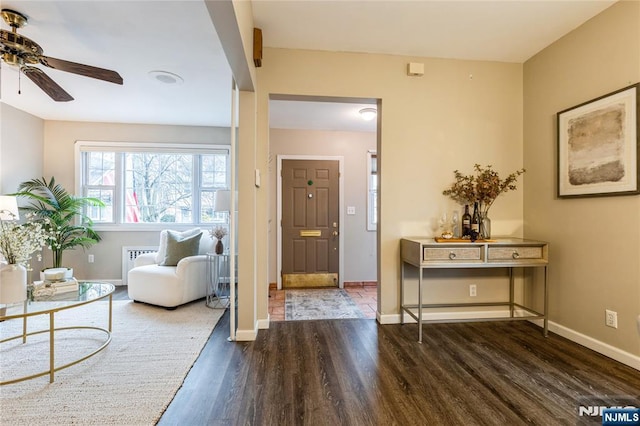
x: 602, y: 348
x: 263, y: 324
x: 605, y: 349
x: 246, y: 335
x: 116, y: 282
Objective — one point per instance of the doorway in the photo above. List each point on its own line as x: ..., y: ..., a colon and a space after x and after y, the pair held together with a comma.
x: 309, y: 211
x: 310, y: 129
x: 310, y: 223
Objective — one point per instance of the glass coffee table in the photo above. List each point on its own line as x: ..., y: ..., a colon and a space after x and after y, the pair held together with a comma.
x: 88, y: 292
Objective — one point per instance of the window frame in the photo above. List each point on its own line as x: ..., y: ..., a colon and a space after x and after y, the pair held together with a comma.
x: 119, y: 192
x: 372, y: 193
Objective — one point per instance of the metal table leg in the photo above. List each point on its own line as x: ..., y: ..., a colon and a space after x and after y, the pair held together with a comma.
x: 511, y: 292
x: 419, y: 304
x: 546, y: 304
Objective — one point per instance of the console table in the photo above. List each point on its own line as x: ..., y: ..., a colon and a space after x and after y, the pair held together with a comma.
x: 423, y: 254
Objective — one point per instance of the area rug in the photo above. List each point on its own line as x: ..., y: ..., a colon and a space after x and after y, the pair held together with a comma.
x: 130, y: 382
x: 319, y: 304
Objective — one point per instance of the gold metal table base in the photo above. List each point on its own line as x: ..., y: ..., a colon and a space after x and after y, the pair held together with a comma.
x: 52, y: 329
x: 53, y: 370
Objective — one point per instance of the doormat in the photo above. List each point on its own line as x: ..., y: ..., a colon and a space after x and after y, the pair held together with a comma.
x: 319, y: 304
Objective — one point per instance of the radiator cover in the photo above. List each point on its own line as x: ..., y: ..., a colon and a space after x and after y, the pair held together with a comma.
x: 129, y: 254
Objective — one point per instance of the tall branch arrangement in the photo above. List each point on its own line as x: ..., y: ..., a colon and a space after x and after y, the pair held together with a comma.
x: 483, y: 187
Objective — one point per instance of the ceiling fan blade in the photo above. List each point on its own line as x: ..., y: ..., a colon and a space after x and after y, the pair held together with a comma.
x: 44, y: 82
x: 85, y: 70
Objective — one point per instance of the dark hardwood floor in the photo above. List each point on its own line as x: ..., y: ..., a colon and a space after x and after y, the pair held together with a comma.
x: 357, y: 372
x: 120, y: 293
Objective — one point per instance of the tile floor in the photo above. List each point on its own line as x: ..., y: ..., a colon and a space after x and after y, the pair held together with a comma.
x: 364, y: 294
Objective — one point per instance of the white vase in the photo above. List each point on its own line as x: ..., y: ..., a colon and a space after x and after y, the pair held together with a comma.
x: 13, y: 284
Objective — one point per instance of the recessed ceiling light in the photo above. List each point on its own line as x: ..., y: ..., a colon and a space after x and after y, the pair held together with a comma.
x: 368, y: 114
x: 166, y: 77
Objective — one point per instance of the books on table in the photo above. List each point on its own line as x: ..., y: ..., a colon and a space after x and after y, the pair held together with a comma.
x: 63, y: 286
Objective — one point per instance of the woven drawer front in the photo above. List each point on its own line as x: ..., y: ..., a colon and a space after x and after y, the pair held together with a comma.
x: 451, y: 253
x: 510, y: 253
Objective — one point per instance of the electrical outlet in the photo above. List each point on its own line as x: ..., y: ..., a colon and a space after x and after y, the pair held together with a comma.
x: 611, y: 318
x: 91, y: 258
x: 473, y: 290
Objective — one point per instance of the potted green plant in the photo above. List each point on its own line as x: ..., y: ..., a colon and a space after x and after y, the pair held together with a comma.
x: 62, y: 214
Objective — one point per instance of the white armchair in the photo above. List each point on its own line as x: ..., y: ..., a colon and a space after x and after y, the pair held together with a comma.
x: 170, y: 286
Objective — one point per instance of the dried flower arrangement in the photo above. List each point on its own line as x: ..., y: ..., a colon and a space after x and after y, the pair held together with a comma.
x: 483, y: 187
x: 219, y: 232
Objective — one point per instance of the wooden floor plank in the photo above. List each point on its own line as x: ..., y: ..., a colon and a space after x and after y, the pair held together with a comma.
x: 358, y: 372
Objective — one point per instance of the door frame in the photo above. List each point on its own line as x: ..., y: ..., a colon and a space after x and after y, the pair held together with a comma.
x: 340, y: 160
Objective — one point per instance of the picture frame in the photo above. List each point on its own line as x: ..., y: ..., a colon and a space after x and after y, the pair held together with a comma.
x: 599, y: 146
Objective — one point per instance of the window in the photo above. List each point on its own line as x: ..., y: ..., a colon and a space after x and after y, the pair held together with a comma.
x: 372, y: 194
x: 153, y: 183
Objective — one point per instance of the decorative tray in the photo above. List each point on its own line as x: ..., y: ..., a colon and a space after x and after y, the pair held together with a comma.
x: 462, y: 240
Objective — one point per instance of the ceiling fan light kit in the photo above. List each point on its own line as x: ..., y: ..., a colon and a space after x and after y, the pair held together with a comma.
x: 23, y: 52
x: 13, y: 18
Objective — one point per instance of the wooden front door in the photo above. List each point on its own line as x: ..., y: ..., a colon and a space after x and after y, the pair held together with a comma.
x: 310, y: 227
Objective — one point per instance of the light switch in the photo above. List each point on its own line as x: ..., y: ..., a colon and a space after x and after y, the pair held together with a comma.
x: 351, y: 210
x: 257, y: 178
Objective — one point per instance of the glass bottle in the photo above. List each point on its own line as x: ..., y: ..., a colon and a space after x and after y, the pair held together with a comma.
x: 466, y: 222
x: 485, y: 226
x: 454, y: 224
x: 475, y: 220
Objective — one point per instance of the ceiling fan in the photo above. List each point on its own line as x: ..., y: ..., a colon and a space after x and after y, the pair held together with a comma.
x: 23, y: 52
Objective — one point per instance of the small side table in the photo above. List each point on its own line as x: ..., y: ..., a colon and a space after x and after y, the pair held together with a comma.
x: 219, y: 279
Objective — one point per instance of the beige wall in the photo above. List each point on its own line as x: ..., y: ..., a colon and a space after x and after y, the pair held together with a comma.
x: 21, y: 142
x: 359, y: 244
x: 252, y: 271
x: 60, y: 138
x: 457, y: 114
x: 595, y: 242
x: 21, y: 156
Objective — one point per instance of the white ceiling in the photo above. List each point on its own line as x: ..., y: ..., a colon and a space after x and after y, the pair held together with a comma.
x: 132, y: 38
x: 498, y: 30
x: 136, y: 37
x: 336, y: 116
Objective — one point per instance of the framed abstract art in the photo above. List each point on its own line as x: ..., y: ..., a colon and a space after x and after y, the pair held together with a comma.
x: 599, y: 146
